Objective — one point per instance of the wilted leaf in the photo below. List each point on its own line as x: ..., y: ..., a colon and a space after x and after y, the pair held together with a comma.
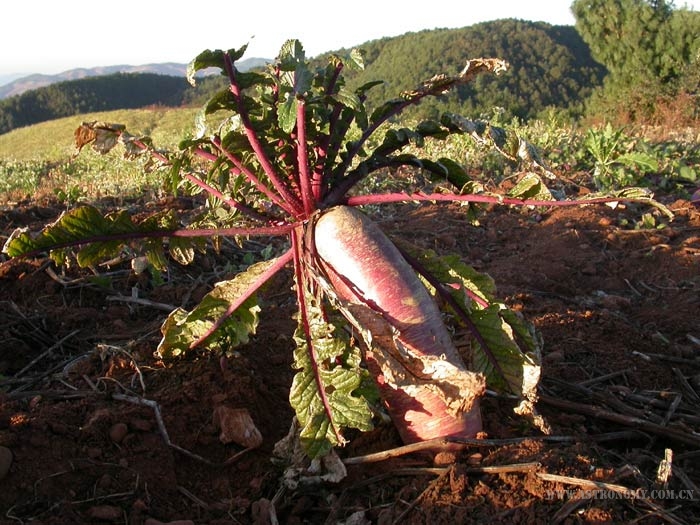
x: 102, y: 135
x: 644, y: 195
x: 182, y: 250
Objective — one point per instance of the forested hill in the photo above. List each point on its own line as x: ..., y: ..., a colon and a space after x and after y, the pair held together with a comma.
x: 549, y: 66
x: 116, y: 91
x: 93, y: 91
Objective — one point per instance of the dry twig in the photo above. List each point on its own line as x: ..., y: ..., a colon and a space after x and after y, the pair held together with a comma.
x: 636, y: 422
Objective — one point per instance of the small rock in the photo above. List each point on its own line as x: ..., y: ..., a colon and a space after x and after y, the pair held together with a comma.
x: 237, y: 426
x: 93, y: 452
x: 151, y: 521
x: 59, y: 428
x: 554, y: 357
x: 139, y: 505
x: 356, y: 518
x: 119, y: 325
x: 218, y: 399
x: 105, y: 512
x: 475, y: 458
x: 105, y: 482
x: 589, y: 269
x: 118, y: 432
x: 262, y: 512
x: 5, y: 461
x: 34, y: 402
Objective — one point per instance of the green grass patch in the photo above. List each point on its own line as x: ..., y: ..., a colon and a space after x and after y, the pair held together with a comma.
x: 40, y: 159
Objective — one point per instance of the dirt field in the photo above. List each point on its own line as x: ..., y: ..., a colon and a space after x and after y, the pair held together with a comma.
x: 81, y: 393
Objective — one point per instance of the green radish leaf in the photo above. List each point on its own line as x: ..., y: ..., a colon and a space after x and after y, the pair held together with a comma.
x: 517, y: 370
x: 447, y: 169
x: 287, y: 113
x: 182, y: 250
x: 222, y: 100
x: 348, y: 99
x: 364, y: 88
x: 96, y: 237
x: 204, y: 60
x: 325, y: 390
x: 687, y: 173
x: 511, y: 359
x: 356, y: 60
x: 432, y: 128
x: 531, y: 186
x: 640, y: 160
x: 247, y: 79
x: 79, y: 226
x: 387, y: 109
x: 182, y: 329
x: 296, y: 79
x: 452, y: 270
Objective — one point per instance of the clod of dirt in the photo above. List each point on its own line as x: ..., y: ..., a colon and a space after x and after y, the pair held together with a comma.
x: 105, y: 513
x: 263, y: 512
x: 444, y: 458
x: 5, y: 461
x: 151, y: 521
x: 356, y: 518
x: 237, y: 426
x: 118, y: 432
x: 142, y: 425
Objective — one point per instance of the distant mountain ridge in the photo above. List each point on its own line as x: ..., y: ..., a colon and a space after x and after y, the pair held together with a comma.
x: 174, y: 69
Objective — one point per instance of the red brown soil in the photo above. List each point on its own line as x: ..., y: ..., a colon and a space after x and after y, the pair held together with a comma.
x: 609, y: 301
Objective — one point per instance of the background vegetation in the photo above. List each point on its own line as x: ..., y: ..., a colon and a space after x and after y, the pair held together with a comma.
x: 617, y: 97
x: 551, y: 66
x: 652, y: 54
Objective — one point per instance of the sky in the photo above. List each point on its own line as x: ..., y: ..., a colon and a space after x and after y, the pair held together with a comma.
x: 52, y: 36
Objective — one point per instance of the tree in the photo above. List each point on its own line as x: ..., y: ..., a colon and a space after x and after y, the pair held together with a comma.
x: 646, y: 46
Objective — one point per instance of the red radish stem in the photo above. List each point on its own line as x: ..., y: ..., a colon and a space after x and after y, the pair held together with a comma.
x: 290, y: 200
x: 366, y: 268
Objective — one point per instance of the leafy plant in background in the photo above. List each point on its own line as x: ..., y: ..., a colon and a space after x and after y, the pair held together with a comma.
x: 287, y: 158
x: 617, y: 164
